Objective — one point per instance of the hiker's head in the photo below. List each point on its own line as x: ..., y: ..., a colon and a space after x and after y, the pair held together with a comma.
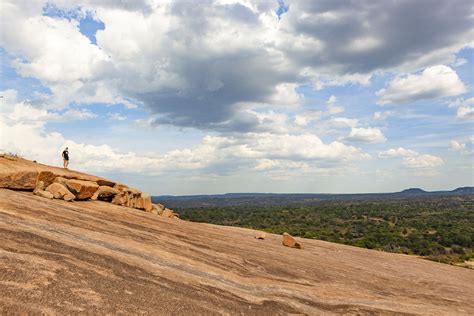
x: 66, y: 148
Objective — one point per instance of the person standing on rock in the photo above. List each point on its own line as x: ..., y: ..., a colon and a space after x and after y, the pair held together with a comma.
x: 66, y: 157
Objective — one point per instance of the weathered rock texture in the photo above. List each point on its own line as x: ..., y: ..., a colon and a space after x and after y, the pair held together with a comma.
x: 59, y: 191
x: 59, y: 183
x: 105, y: 193
x: 97, y: 258
x: 291, y: 242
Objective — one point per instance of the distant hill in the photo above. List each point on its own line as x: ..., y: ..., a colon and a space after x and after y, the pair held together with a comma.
x: 229, y: 199
x: 413, y: 191
x: 464, y: 190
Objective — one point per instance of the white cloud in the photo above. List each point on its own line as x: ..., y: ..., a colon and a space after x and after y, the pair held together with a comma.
x: 398, y: 152
x: 423, y: 161
x: 14, y: 110
x: 368, y: 135
x: 380, y: 116
x: 413, y: 159
x: 195, y: 73
x: 433, y: 82
x: 116, y: 117
x: 463, y: 148
x: 333, y: 108
x: 465, y: 108
x: 343, y: 122
x: 457, y: 146
x: 259, y: 151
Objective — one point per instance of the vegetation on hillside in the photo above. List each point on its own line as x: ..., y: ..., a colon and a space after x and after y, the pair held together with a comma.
x: 440, y: 229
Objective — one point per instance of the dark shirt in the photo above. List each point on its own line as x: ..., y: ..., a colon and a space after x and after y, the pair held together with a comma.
x: 66, y: 155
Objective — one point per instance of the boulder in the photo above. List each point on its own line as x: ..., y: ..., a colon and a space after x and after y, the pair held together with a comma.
x: 105, y: 193
x: 83, y: 190
x: 289, y: 241
x: 47, y: 177
x: 59, y: 191
x: 60, y: 180
x: 120, y: 199
x: 260, y: 235
x: 105, y: 182
x: 157, y: 209
x: 43, y: 193
x: 39, y: 186
x: 169, y: 213
x: 132, y: 202
x: 144, y: 202
x: 20, y: 180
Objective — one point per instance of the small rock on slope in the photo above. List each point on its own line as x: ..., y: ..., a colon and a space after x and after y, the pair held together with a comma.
x: 289, y: 241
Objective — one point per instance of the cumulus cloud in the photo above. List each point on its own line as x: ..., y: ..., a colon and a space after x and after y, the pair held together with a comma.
x: 368, y: 135
x: 433, y: 82
x: 337, y: 37
x: 465, y: 108
x: 457, y: 146
x: 28, y: 136
x: 199, y: 72
x: 22, y: 111
x: 333, y: 107
x: 413, y: 159
x: 463, y: 148
x: 343, y: 122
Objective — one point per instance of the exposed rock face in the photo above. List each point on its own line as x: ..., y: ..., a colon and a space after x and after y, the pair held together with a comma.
x: 120, y: 199
x: 169, y: 213
x: 59, y: 191
x: 18, y: 173
x: 43, y: 193
x: 21, y: 180
x: 105, y: 182
x: 39, y: 190
x: 137, y: 263
x: 289, y: 241
x: 105, y: 193
x: 145, y: 202
x: 47, y: 177
x: 83, y: 190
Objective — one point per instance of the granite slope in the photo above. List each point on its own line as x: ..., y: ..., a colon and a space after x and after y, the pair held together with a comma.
x: 94, y: 257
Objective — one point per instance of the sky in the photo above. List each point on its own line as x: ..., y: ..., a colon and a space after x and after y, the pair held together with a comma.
x: 216, y: 96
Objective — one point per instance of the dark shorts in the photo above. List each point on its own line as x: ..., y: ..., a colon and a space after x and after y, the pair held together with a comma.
x: 66, y: 158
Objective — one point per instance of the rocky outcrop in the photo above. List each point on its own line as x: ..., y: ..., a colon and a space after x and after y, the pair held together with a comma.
x: 39, y: 190
x: 83, y: 190
x: 289, y: 241
x: 60, y: 183
x: 59, y: 191
x: 20, y: 180
x: 105, y: 193
x: 260, y: 235
x: 169, y: 213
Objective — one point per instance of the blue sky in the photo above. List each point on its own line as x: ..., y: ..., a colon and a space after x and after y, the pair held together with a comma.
x: 243, y: 96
